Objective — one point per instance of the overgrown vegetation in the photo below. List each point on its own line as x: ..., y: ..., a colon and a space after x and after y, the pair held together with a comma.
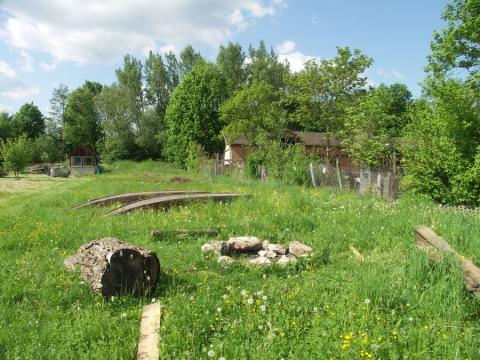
x: 397, y: 304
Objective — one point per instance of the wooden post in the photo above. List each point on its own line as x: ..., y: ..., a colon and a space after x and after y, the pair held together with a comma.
x: 312, y: 175
x: 148, y: 347
x: 426, y: 238
x: 339, y: 174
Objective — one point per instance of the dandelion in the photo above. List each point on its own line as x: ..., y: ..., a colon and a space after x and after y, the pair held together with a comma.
x: 410, y: 319
x: 225, y: 296
x: 260, y: 327
x: 367, y: 301
x: 124, y: 315
x: 264, y: 298
x: 243, y: 293
x: 219, y: 310
x: 204, y: 349
x: 192, y: 298
x: 211, y: 353
x: 263, y: 308
x: 250, y: 301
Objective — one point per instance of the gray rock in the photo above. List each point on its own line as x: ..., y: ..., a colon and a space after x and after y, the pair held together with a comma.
x: 216, y: 246
x: 261, y: 260
x: 284, y: 260
x: 225, y: 260
x: 244, y: 244
x: 276, y: 248
x: 298, y: 249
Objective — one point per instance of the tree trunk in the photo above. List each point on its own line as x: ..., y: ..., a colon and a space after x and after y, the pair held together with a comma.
x: 112, y: 267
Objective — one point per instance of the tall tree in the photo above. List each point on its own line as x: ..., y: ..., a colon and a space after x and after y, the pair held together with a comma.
x: 263, y: 65
x: 457, y: 45
x: 6, y: 127
x: 320, y: 94
x: 173, y: 71
x: 156, y: 88
x: 81, y: 120
x: 58, y: 103
x: 231, y: 62
x: 189, y: 57
x: 29, y: 121
x: 375, y: 122
x: 192, y: 113
x: 255, y: 112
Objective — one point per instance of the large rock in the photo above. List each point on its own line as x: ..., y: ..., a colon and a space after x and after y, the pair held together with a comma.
x: 216, y: 246
x: 244, y: 244
x: 298, y: 249
x: 276, y: 248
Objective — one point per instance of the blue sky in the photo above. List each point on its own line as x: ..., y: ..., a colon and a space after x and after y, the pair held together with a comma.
x: 43, y: 44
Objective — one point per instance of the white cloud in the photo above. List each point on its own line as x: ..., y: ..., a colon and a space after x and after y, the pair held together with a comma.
x: 26, y: 63
x: 296, y: 59
x: 93, y: 31
x: 11, y: 86
x: 390, y: 74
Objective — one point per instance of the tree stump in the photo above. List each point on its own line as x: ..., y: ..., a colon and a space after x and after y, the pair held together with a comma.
x: 112, y: 267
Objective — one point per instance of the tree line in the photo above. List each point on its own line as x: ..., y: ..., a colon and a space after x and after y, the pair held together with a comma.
x: 170, y: 107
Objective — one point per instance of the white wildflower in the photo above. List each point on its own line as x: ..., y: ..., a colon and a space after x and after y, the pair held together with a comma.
x: 219, y: 310
x: 211, y: 353
x: 367, y: 301
x: 250, y: 301
x: 243, y: 293
x: 263, y: 308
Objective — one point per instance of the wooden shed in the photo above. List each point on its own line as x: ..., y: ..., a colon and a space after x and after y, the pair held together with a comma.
x: 83, y: 161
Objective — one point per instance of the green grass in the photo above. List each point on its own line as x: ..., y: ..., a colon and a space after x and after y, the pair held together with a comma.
x: 396, y: 305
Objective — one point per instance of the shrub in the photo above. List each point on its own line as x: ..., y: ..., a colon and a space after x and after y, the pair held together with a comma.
x: 16, y: 154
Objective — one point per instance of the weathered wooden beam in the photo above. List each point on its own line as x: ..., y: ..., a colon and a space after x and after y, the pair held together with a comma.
x: 148, y: 342
x: 126, y: 198
x: 165, y: 202
x: 427, y: 238
x: 356, y: 253
x: 185, y: 233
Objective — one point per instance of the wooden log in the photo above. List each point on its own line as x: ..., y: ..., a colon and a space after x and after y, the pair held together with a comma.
x: 184, y: 233
x: 112, y: 267
x: 133, y: 196
x: 356, y: 253
x: 165, y: 202
x: 427, y: 238
x: 148, y: 347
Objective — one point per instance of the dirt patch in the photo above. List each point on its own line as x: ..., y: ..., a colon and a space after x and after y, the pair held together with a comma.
x: 179, y: 180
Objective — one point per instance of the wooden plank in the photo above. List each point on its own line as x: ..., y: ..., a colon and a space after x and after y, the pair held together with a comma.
x: 427, y: 238
x: 148, y: 342
x: 357, y: 253
x: 185, y: 233
x: 165, y: 202
x: 126, y: 198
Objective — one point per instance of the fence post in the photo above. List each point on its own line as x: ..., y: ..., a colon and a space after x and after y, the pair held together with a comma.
x: 312, y: 175
x: 338, y: 174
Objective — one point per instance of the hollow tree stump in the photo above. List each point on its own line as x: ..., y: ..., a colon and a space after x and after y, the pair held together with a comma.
x: 112, y: 267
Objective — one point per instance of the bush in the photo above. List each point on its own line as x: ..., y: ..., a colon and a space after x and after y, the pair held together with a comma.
x: 16, y: 154
x: 47, y: 149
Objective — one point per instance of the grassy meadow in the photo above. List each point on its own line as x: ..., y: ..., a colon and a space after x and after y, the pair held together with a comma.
x: 395, y: 305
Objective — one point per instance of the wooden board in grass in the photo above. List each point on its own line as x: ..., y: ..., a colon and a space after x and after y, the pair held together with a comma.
x: 185, y: 233
x: 427, y: 238
x: 148, y: 346
x: 165, y: 202
x: 126, y: 198
x: 112, y: 267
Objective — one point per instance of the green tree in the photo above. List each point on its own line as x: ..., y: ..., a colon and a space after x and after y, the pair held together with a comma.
x: 375, y: 122
x: 58, y: 104
x: 230, y: 61
x: 192, y: 113
x: 29, y: 121
x: 457, y: 45
x: 255, y: 112
x: 15, y: 154
x: 6, y: 126
x: 188, y: 59
x: 264, y: 66
x: 156, y: 88
x: 173, y: 71
x: 442, y: 144
x: 81, y: 120
x: 319, y: 95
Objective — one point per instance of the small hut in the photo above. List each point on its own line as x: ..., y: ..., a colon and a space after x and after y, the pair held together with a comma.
x: 83, y: 161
